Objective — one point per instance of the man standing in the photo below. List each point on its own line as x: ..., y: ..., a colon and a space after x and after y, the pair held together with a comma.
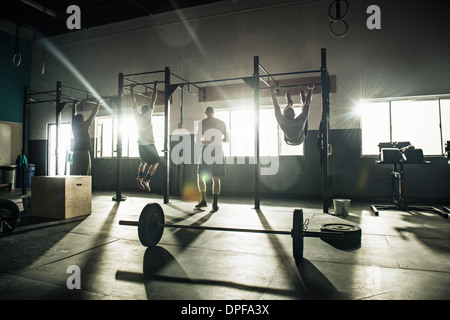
x: 82, y: 149
x: 147, y: 150
x: 211, y: 132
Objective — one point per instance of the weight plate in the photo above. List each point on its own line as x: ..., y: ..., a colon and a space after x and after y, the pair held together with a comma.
x: 297, y: 235
x: 9, y: 216
x: 351, y: 233
x: 151, y: 225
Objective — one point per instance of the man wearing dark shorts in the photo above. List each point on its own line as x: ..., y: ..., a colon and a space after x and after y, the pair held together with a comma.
x: 295, y: 129
x: 147, y: 151
x: 81, y: 164
x: 211, y: 132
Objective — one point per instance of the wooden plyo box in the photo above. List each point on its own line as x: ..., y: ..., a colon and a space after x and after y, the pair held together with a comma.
x: 61, y: 197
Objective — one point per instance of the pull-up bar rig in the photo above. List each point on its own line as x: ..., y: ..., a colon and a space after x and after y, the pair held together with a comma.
x: 57, y: 96
x: 253, y: 82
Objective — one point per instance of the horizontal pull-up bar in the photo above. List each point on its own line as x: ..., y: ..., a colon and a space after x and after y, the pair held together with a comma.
x: 146, y: 96
x: 242, y: 78
x: 144, y: 84
x: 74, y: 99
x: 142, y: 73
x: 292, y: 86
x: 47, y: 94
x: 42, y: 101
x: 237, y: 91
x: 96, y: 100
x: 43, y: 92
x: 78, y: 90
x: 267, y: 75
x: 209, y: 81
x: 91, y: 101
x: 290, y: 73
x: 139, y: 93
x: 181, y: 87
x: 184, y: 80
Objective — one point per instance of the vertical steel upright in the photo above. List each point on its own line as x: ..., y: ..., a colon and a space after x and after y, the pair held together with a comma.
x: 166, y: 134
x: 59, y: 108
x: 118, y: 196
x: 24, y: 138
x: 256, y: 102
x: 323, y: 131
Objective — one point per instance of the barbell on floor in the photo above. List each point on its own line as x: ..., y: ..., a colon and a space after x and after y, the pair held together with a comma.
x: 151, y: 226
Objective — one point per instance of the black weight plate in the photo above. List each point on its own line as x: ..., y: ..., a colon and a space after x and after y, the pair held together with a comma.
x: 151, y: 225
x: 297, y: 235
x: 351, y: 234
x: 9, y: 216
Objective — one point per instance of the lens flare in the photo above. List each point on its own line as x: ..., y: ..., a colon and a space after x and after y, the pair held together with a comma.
x: 69, y: 65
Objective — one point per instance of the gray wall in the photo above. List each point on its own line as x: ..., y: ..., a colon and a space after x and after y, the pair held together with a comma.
x: 408, y: 56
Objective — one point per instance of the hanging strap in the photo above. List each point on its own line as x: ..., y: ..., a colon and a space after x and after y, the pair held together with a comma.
x: 43, y: 57
x: 17, y: 57
x: 181, y: 106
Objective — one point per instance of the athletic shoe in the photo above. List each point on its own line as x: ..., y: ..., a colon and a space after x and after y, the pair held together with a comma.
x: 139, y: 183
x: 201, y: 204
x: 289, y: 99
x: 146, y: 184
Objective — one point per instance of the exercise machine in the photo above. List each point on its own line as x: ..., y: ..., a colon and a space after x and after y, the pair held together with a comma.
x: 399, y: 154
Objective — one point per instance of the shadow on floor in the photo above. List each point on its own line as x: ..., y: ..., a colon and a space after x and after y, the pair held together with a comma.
x: 317, y: 285
x: 312, y: 285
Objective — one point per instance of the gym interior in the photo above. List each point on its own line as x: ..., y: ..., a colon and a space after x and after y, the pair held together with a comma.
x: 371, y: 179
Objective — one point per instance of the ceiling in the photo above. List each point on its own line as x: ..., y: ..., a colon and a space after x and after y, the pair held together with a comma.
x: 48, y: 18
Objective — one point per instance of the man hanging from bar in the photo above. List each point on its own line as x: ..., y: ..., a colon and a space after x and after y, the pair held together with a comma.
x: 147, y: 150
x: 295, y: 129
x: 81, y: 163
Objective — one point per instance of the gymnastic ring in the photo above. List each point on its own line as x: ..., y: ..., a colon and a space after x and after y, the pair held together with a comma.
x: 17, y: 56
x: 338, y: 18
x: 335, y: 34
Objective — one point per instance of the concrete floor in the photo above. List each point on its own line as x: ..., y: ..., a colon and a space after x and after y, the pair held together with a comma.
x: 403, y: 255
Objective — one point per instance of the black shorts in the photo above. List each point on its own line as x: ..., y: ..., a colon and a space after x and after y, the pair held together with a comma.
x: 299, y: 140
x: 148, y: 153
x: 216, y: 168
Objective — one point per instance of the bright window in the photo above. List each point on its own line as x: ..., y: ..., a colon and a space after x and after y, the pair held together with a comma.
x: 445, y: 116
x: 424, y: 123
x: 105, y: 142
x: 225, y: 117
x: 374, y: 125
x: 242, y: 133
x: 240, y: 124
x: 65, y: 135
x: 268, y: 133
x: 418, y: 123
x: 106, y: 136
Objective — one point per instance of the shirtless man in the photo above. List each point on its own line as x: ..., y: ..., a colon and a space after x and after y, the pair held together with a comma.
x: 81, y: 151
x: 147, y: 150
x: 207, y: 133
x: 295, y: 129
